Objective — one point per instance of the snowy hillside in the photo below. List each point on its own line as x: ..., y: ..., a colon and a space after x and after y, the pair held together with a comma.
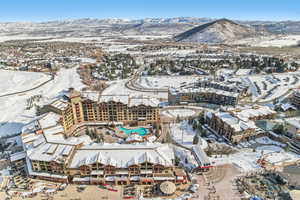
x: 16, y: 81
x: 216, y: 32
x: 16, y: 110
x: 272, y: 41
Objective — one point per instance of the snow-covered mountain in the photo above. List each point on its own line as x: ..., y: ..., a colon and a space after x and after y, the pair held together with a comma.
x: 218, y: 31
x: 156, y: 26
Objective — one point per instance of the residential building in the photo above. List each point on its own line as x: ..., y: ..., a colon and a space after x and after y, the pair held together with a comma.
x: 202, y: 95
x: 232, y: 128
x: 252, y: 112
x: 293, y: 127
x: 295, y: 99
x: 237, y: 123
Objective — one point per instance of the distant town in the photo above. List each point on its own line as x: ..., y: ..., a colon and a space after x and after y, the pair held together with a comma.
x: 195, y: 110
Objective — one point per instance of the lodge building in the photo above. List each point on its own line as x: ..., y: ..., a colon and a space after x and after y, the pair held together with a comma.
x: 91, y: 107
x: 79, y: 163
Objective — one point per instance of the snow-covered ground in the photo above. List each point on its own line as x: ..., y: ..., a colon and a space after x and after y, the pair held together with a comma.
x: 164, y: 82
x: 224, y: 71
x: 13, y: 108
x: 260, y: 141
x: 243, y: 72
x: 183, y: 134
x: 118, y: 88
x: 173, y: 113
x: 272, y: 41
x: 246, y: 159
x: 267, y: 140
x: 146, y: 37
x: 15, y: 81
x: 76, y: 39
x: 186, y: 157
x: 19, y: 37
x: 271, y: 86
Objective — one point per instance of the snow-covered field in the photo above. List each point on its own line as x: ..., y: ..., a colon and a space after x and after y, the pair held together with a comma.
x: 13, y: 108
x: 15, y: 81
x: 272, y: 41
x: 183, y: 134
x: 173, y: 113
x: 118, y: 88
x: 147, y: 37
x: 76, y: 39
x: 164, y: 82
x: 19, y: 37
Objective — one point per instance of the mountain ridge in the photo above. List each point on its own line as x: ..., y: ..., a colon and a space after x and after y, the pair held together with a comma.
x: 157, y: 26
x: 218, y: 31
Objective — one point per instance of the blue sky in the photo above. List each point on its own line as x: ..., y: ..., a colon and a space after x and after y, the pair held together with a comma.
x: 43, y: 10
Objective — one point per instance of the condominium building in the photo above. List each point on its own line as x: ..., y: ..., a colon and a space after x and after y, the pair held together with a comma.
x: 295, y: 99
x: 232, y: 128
x: 252, y: 112
x: 236, y: 87
x: 293, y: 127
x: 200, y: 95
x: 237, y: 123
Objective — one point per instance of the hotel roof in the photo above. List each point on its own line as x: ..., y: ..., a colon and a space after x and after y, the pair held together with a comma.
x: 49, y: 120
x: 60, y: 104
x: 50, y: 152
x: 247, y: 112
x: 122, y: 156
x: 130, y: 100
x: 235, y: 123
x: 293, y: 122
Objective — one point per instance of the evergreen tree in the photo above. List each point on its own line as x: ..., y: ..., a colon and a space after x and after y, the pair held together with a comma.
x: 195, y: 139
x: 177, y: 119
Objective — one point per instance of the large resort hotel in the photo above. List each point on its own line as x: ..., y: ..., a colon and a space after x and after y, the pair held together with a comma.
x: 58, y: 151
x: 90, y: 107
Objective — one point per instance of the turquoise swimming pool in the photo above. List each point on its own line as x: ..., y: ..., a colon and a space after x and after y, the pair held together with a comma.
x: 141, y: 131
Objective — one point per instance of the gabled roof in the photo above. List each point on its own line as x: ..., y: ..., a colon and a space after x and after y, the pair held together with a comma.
x: 122, y: 156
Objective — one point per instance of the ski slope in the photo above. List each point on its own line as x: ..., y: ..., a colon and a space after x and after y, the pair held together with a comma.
x: 14, y: 114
